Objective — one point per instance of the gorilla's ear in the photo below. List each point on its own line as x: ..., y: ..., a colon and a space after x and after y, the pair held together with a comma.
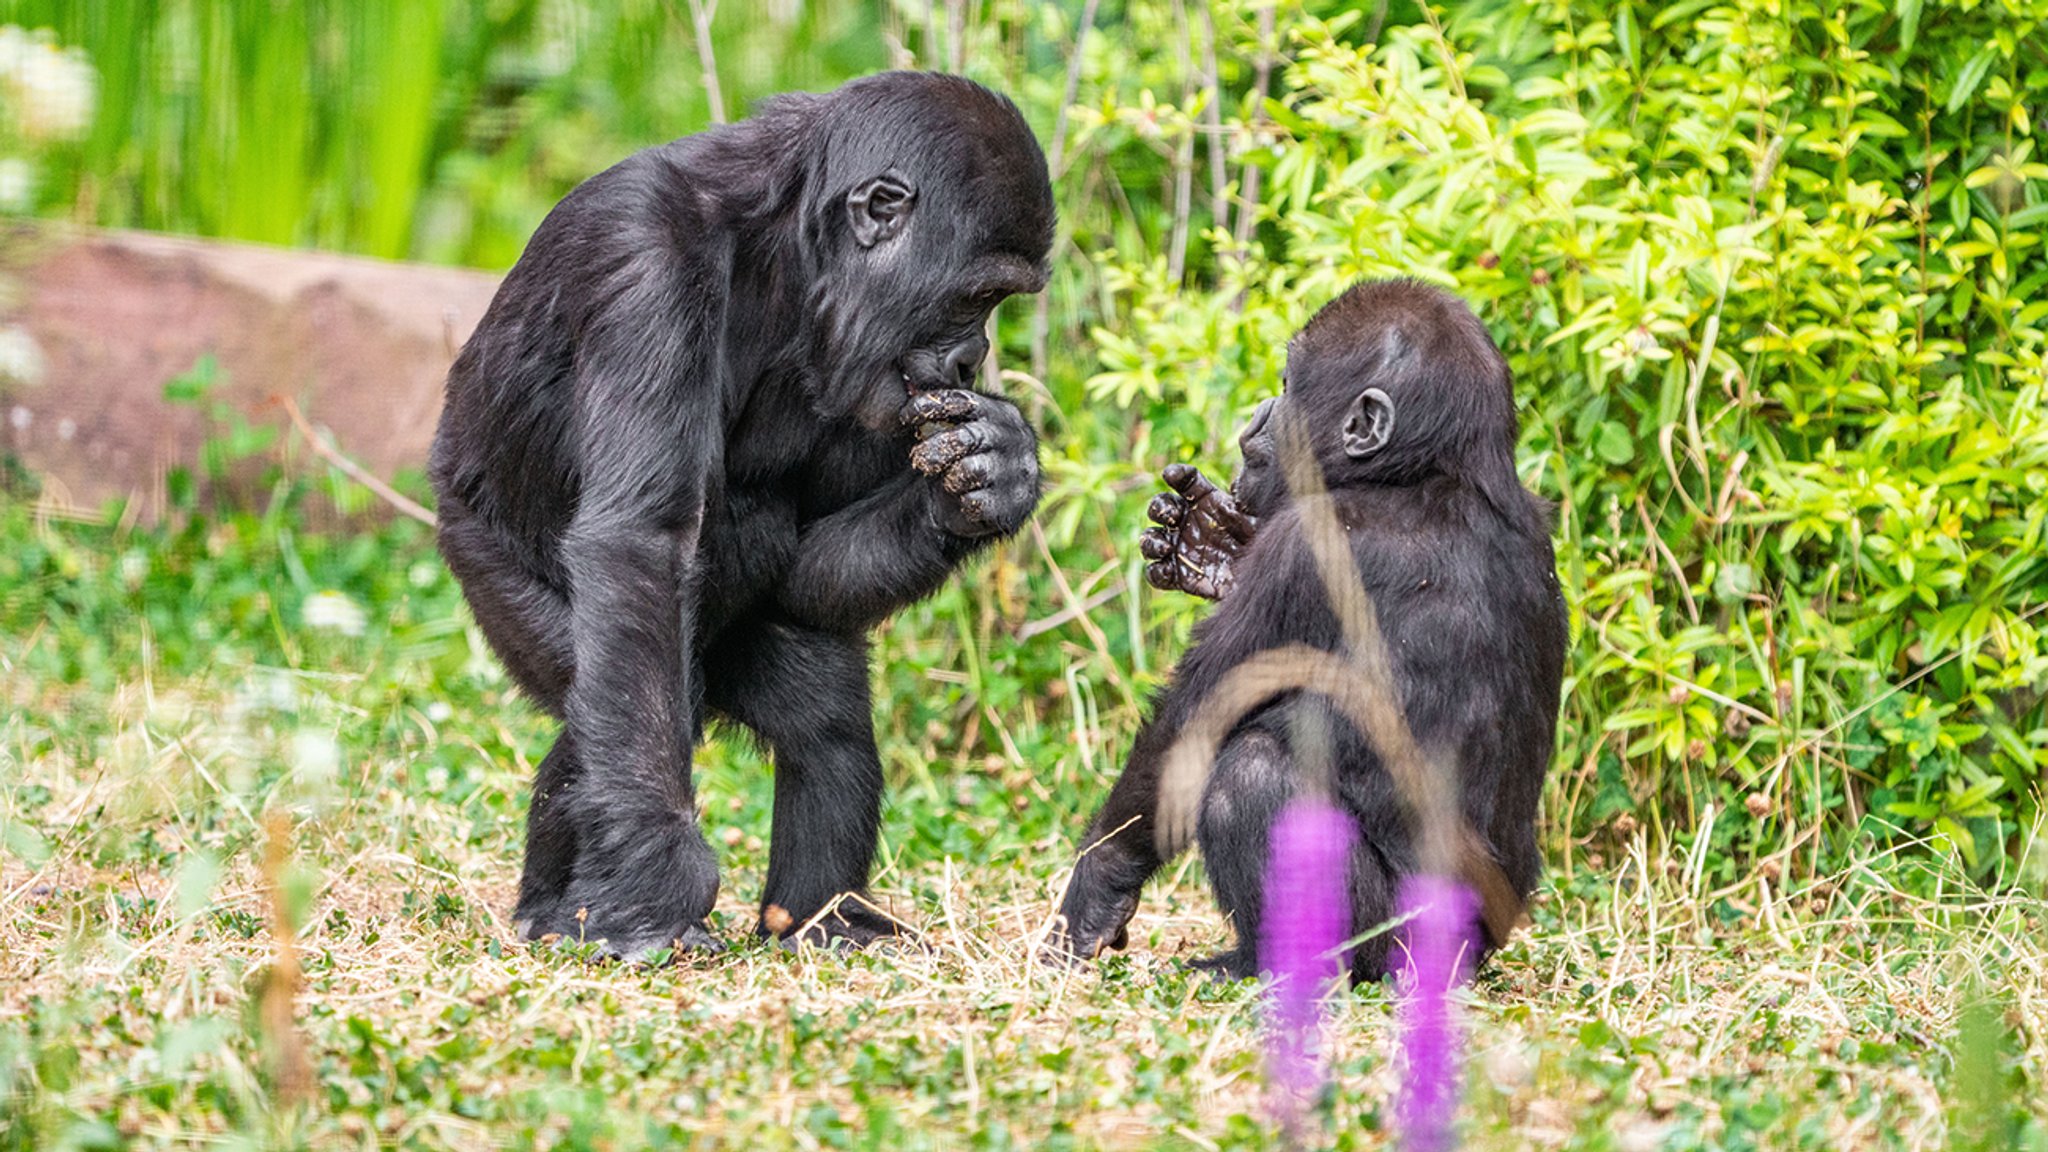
x: 1369, y: 424
x: 879, y: 208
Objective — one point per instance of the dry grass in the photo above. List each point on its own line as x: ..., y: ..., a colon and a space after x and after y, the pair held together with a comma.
x: 1628, y: 1016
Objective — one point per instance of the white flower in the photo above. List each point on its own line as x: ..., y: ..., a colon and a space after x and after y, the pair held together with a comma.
x: 17, y: 184
x: 316, y: 754
x: 49, y: 89
x: 21, y: 358
x: 332, y: 611
x: 134, y: 568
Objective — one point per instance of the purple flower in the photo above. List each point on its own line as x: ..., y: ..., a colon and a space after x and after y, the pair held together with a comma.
x: 1307, y: 918
x: 1439, y: 944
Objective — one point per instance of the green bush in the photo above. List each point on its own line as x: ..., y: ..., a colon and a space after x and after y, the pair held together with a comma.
x: 1770, y: 279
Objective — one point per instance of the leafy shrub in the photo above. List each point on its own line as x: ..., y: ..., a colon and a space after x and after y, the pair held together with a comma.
x: 1770, y: 278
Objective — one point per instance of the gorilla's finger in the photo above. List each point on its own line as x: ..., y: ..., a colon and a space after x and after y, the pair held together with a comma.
x: 1164, y: 575
x: 1226, y: 511
x: 1156, y: 544
x: 1167, y: 510
x: 948, y: 448
x: 970, y: 473
x: 950, y: 406
x: 1187, y: 480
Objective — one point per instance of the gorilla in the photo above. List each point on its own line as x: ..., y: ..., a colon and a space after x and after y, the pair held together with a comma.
x: 717, y: 424
x: 1407, y: 408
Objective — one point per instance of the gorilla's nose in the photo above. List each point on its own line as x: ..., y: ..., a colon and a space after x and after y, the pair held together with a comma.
x: 965, y: 360
x: 1257, y: 427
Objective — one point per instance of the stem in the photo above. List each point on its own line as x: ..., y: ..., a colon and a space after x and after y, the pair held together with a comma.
x: 1262, y: 83
x: 1041, y: 313
x: 1212, y: 123
x: 701, y: 12
x: 1183, y: 157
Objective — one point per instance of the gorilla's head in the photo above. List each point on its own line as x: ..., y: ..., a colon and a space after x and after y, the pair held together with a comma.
x: 1394, y: 382
x: 930, y: 205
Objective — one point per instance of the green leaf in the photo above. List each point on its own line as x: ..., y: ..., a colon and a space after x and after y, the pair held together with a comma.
x: 1614, y: 444
x: 1967, y: 80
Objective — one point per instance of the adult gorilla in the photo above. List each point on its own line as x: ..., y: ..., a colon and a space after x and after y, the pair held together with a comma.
x: 715, y: 426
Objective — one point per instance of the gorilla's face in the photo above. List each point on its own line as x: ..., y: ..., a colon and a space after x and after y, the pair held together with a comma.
x: 947, y: 230
x: 1261, y: 486
x: 923, y: 289
x: 946, y: 341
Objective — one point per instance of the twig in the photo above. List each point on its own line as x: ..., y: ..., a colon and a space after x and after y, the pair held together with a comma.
x: 1212, y: 120
x: 291, y: 1074
x: 956, y: 36
x: 1692, y: 608
x: 1073, y: 599
x: 1040, y: 627
x: 1248, y: 204
x: 353, y: 470
x: 701, y: 12
x: 1183, y: 156
x: 1041, y: 313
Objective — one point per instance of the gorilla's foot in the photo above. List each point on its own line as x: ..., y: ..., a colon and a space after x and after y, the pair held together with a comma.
x: 636, y: 947
x: 1094, y: 919
x: 850, y: 922
x: 633, y: 939
x: 634, y: 931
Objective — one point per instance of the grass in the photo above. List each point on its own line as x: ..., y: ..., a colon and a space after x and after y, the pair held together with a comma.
x: 165, y: 696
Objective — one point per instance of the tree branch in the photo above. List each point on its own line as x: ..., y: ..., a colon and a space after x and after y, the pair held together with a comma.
x: 701, y: 12
x: 1041, y: 314
x: 353, y: 470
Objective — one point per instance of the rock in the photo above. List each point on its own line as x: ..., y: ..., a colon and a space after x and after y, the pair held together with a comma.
x: 361, y: 345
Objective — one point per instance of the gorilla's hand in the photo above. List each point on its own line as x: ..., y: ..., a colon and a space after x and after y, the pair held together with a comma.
x: 1201, y: 532
x: 983, y: 455
x: 1087, y: 927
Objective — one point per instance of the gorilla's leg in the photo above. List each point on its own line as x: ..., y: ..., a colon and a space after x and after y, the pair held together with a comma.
x: 1252, y: 781
x: 525, y: 619
x: 1373, y: 881
x: 527, y: 623
x: 805, y: 693
x: 550, y: 837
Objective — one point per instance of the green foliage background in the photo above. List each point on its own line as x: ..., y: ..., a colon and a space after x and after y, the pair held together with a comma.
x: 1769, y: 274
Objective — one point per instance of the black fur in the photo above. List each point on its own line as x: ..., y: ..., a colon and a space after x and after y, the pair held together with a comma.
x: 676, y: 476
x: 1456, y: 555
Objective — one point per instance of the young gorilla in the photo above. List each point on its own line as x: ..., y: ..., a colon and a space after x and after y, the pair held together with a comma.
x: 1407, y: 406
x: 715, y: 426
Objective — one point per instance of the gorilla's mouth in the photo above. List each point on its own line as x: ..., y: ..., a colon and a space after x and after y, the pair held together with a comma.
x: 915, y: 381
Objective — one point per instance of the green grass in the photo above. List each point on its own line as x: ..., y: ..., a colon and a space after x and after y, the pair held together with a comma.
x: 162, y: 693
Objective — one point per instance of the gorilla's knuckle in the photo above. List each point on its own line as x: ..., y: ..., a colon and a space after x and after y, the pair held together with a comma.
x: 1167, y: 509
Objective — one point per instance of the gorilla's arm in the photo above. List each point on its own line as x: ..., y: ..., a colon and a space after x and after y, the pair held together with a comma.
x: 1278, y: 601
x: 974, y: 480
x: 645, y: 429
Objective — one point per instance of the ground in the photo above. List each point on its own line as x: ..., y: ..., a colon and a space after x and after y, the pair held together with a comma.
x: 231, y: 749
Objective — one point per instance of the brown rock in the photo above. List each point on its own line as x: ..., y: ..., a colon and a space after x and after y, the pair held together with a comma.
x: 361, y: 345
